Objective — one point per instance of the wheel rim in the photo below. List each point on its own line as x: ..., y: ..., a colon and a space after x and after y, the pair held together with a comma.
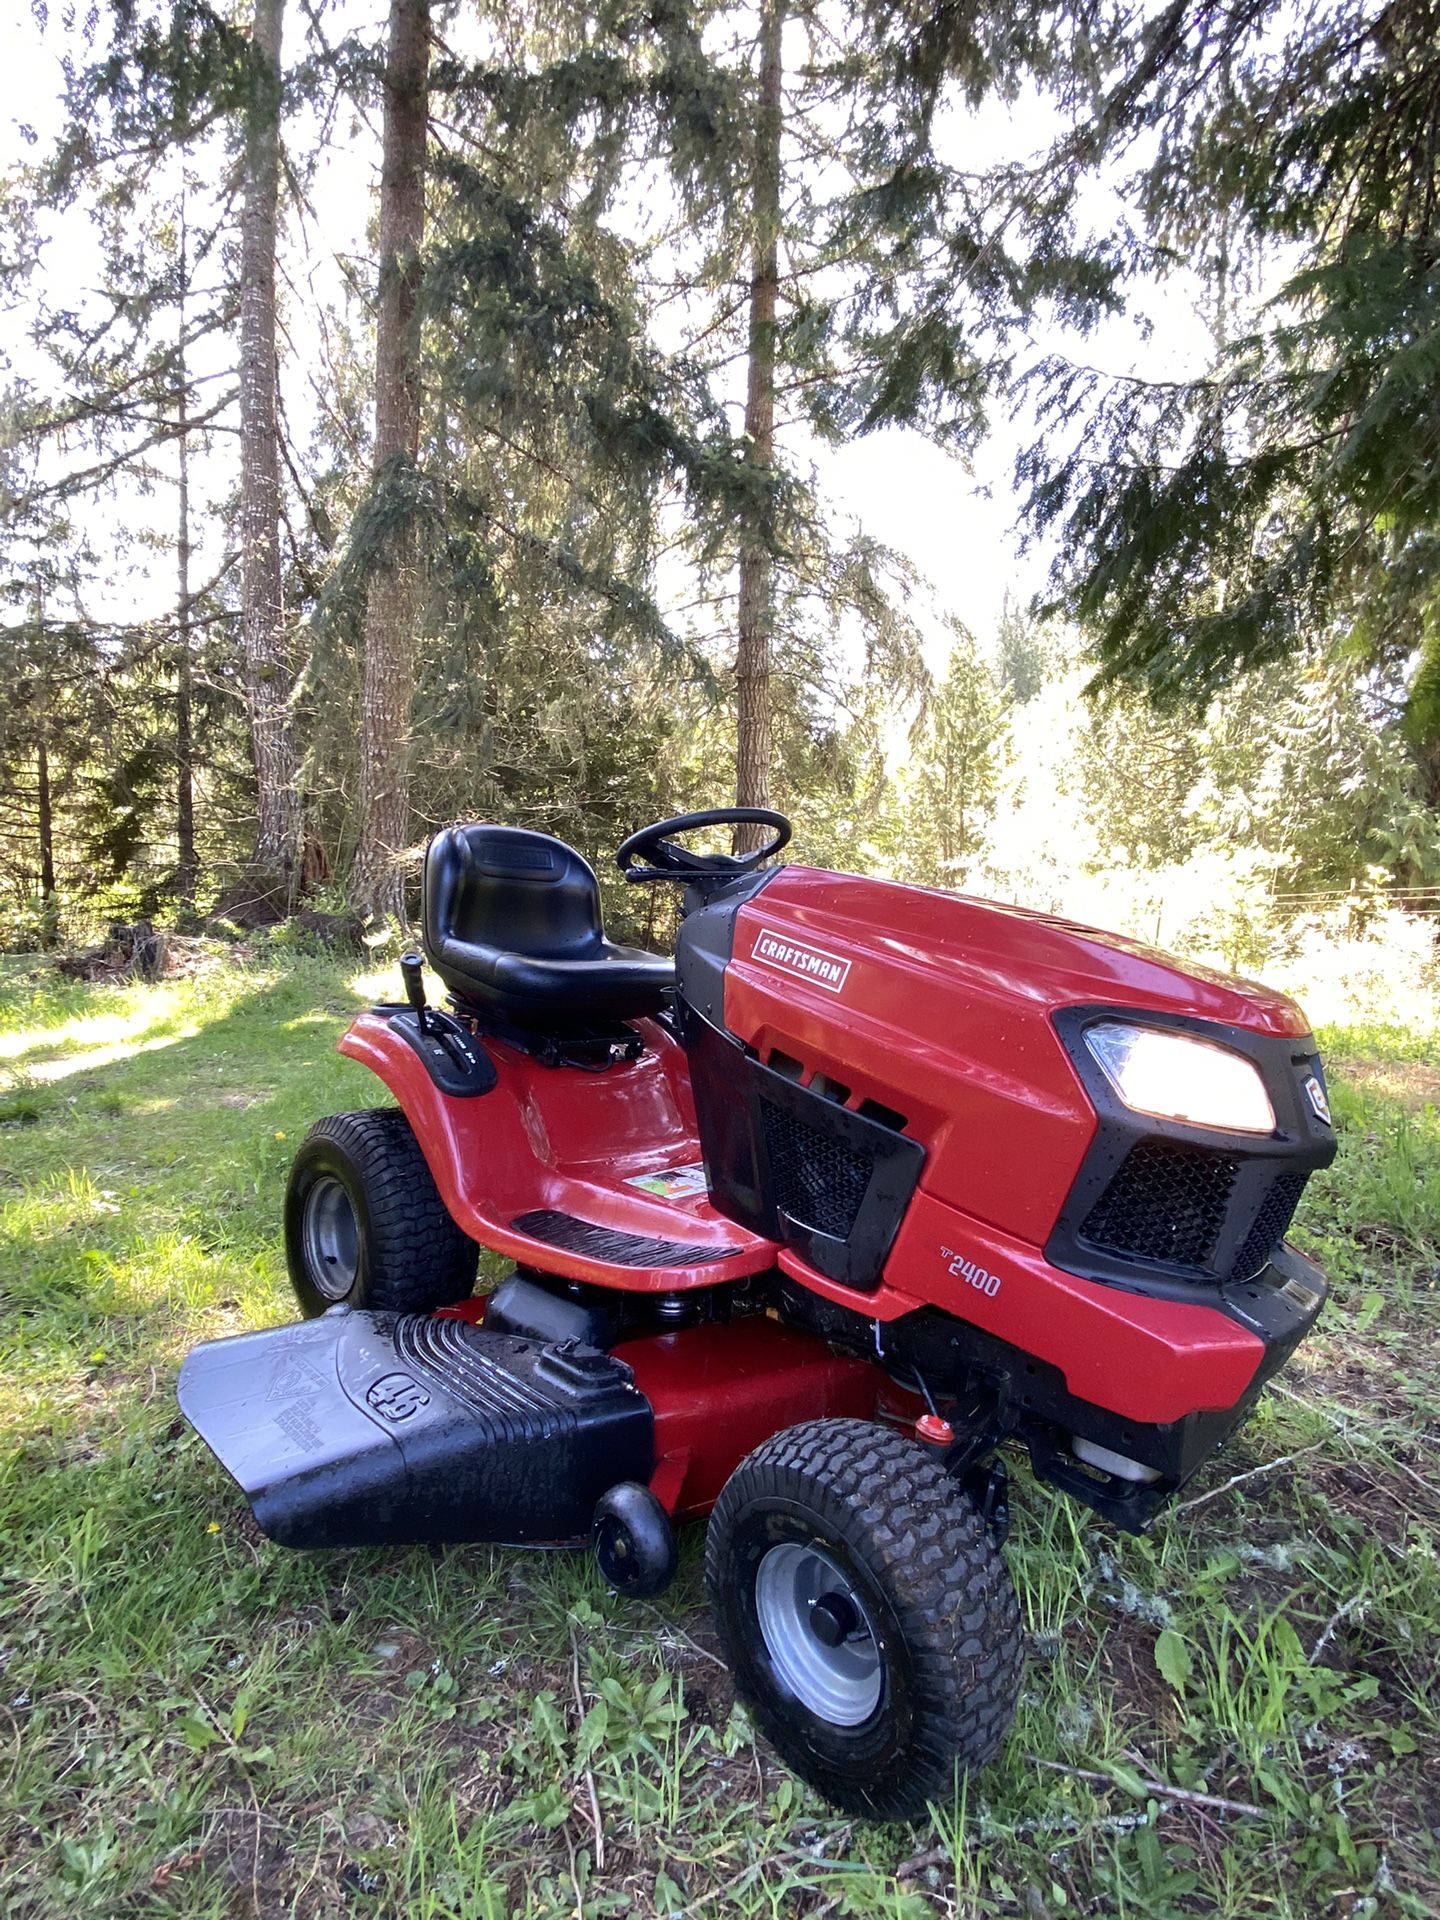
x: 818, y: 1634
x: 332, y: 1239
x: 615, y: 1553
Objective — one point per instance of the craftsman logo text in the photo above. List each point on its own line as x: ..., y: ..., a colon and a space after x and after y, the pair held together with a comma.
x: 807, y: 963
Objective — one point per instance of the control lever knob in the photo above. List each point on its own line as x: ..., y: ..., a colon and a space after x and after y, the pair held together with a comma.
x: 412, y: 972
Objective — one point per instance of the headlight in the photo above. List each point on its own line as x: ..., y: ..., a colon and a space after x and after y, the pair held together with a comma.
x: 1177, y: 1077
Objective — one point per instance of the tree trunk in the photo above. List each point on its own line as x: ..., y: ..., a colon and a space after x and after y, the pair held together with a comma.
x: 187, y: 869
x: 753, y: 722
x: 392, y: 607
x: 46, y: 824
x: 262, y: 615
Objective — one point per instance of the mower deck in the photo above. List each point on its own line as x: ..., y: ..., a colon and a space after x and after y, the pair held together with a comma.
x: 367, y: 1429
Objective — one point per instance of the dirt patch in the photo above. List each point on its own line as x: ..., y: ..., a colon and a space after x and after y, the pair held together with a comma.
x: 141, y: 952
x: 1140, y: 1697
x: 134, y: 952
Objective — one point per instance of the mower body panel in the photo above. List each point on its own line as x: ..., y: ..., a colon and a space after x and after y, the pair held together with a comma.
x: 819, y: 999
x: 556, y: 1168
x: 945, y: 1011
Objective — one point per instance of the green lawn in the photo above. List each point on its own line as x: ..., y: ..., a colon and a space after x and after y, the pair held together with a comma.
x: 194, y: 1722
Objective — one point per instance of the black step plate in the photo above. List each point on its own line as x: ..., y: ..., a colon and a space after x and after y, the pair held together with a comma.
x: 610, y: 1244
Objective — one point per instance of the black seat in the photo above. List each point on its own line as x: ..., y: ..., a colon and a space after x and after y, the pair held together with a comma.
x: 512, y: 924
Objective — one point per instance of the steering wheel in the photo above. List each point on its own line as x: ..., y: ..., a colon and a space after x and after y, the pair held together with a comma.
x: 666, y: 861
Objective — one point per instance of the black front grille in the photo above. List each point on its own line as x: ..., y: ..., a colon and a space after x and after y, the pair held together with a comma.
x: 818, y: 1180
x: 1277, y: 1210
x: 1165, y: 1203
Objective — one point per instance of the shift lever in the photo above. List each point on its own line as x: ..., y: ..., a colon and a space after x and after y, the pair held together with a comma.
x: 412, y: 971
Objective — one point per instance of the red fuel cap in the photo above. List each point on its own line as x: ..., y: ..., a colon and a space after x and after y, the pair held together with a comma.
x: 932, y: 1428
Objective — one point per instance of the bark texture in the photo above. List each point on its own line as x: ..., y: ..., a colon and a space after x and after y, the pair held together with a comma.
x: 187, y: 866
x: 262, y: 618
x: 753, y: 723
x: 392, y: 608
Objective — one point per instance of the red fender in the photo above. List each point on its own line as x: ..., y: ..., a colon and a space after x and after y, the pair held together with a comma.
x: 552, y: 1139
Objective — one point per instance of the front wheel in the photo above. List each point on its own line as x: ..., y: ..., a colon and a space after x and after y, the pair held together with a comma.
x: 364, y: 1224
x: 867, y: 1616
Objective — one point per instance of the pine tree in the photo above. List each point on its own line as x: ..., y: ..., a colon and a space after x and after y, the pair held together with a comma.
x: 1289, y: 498
x: 268, y: 675
x: 143, y: 372
x: 754, y: 728
x: 394, y: 594
x: 959, y: 747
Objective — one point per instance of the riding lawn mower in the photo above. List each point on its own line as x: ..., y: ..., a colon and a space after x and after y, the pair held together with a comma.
x: 868, y: 1184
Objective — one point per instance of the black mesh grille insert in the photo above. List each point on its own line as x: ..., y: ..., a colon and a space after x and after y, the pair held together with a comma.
x: 1164, y: 1203
x: 819, y: 1180
x: 1276, y: 1212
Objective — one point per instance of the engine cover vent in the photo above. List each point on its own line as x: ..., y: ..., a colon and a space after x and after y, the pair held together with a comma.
x: 819, y: 1179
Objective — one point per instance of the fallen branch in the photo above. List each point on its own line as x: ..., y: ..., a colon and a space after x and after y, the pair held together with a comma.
x: 672, y: 1631
x: 1158, y: 1787
x: 595, y: 1819
x: 1267, y: 1466
x: 918, y: 1862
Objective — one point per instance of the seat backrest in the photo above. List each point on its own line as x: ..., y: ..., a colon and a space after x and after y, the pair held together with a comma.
x: 511, y: 889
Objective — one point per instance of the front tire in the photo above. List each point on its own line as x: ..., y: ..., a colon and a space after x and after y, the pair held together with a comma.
x: 364, y: 1223
x: 867, y: 1616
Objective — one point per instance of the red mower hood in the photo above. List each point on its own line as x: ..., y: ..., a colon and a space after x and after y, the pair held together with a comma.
x: 1036, y: 956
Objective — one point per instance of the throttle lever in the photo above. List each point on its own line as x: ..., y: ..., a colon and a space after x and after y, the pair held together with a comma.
x: 412, y: 972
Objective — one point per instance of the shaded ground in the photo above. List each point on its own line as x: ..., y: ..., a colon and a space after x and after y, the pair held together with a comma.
x: 193, y: 1722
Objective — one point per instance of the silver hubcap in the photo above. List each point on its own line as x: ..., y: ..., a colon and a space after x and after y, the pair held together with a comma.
x: 818, y: 1635
x: 332, y: 1241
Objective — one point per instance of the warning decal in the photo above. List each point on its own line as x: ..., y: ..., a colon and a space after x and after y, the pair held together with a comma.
x: 671, y: 1183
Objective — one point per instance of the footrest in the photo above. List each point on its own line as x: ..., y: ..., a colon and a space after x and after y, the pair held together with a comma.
x: 620, y: 1249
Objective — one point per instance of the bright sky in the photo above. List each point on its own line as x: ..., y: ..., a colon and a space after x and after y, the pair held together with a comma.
x: 956, y: 525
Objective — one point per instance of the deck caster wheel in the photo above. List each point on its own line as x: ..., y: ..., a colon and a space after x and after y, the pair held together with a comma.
x: 634, y: 1541
x: 866, y: 1614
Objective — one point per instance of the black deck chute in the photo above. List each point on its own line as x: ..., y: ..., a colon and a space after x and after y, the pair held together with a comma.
x: 362, y: 1429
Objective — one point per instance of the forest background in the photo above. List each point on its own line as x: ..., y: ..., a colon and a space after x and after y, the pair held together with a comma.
x: 1004, y: 439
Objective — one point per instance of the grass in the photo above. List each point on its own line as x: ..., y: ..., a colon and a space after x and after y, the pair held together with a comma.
x: 194, y: 1722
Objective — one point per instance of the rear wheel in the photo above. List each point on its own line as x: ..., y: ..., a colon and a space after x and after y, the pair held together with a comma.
x: 867, y: 1616
x: 364, y: 1224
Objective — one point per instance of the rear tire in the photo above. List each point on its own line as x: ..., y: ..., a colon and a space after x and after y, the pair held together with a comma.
x: 866, y: 1614
x: 364, y: 1223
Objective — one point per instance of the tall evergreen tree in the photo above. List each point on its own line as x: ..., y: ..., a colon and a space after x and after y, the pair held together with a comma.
x: 754, y: 731
x: 394, y: 591
x: 958, y: 751
x: 268, y: 675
